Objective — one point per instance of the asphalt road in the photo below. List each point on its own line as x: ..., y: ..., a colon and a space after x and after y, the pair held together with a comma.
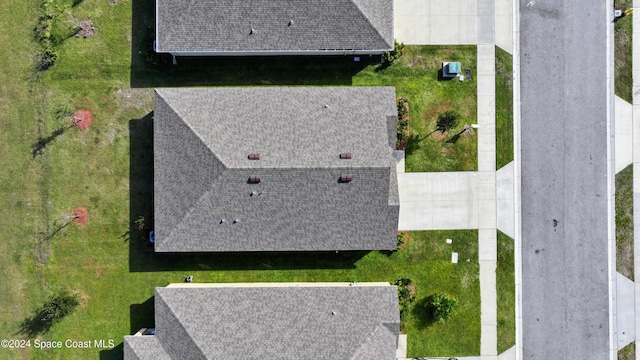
x: 564, y: 179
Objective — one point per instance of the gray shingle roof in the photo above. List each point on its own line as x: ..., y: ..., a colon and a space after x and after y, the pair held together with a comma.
x: 225, y: 25
x: 202, y: 139
x: 329, y: 322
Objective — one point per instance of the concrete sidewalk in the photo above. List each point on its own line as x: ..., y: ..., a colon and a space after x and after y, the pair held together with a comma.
x: 465, y: 200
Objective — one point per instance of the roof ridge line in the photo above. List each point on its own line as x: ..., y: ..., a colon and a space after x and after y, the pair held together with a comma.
x: 375, y: 28
x: 191, y: 128
x: 173, y: 314
x: 181, y: 220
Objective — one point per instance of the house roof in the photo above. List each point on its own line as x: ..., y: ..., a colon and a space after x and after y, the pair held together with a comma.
x: 202, y: 142
x: 278, y: 25
x: 282, y: 322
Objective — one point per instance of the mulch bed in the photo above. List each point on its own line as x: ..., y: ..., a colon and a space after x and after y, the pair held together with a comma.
x: 85, y: 29
x: 81, y: 216
x: 82, y: 119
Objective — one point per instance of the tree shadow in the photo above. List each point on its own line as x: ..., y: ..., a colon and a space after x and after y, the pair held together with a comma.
x: 454, y: 139
x: 41, y: 144
x: 421, y: 312
x: 48, y: 314
x: 117, y: 353
x: 33, y: 326
x: 149, y: 69
x: 413, y: 142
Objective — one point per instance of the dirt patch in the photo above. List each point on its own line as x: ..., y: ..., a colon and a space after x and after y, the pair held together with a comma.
x: 438, y: 135
x: 135, y: 98
x: 82, y: 119
x: 82, y: 297
x: 80, y: 215
x: 85, y: 29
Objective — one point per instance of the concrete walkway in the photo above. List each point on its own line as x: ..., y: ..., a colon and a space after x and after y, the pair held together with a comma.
x: 624, y: 134
x: 465, y: 200
x: 636, y: 167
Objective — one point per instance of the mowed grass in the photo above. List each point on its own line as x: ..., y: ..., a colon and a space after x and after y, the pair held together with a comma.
x: 107, y: 169
x: 623, y: 31
x: 416, y: 77
x: 504, y: 108
x: 624, y: 222
x: 21, y: 204
x: 506, y: 293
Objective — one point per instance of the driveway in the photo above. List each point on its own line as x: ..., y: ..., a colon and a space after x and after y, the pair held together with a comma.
x: 436, y: 22
x: 438, y: 201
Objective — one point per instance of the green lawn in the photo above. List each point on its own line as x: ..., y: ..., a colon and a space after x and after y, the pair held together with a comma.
x: 21, y: 208
x: 504, y: 108
x: 624, y: 222
x: 415, y: 76
x: 506, y: 292
x: 107, y: 169
x: 623, y: 49
x: 628, y: 352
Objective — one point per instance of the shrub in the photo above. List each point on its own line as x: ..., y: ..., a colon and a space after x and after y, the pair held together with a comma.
x: 447, y: 120
x: 51, y: 312
x: 402, y: 133
x: 441, y: 306
x: 406, y: 295
x: 395, y: 54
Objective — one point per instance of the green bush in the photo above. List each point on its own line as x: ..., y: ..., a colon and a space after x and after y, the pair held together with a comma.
x: 406, y: 295
x: 447, y: 120
x: 51, y: 312
x: 402, y: 132
x: 395, y: 54
x: 441, y: 306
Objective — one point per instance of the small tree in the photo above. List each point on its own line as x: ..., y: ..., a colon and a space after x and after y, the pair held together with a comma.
x: 447, y: 120
x: 51, y: 312
x: 441, y: 306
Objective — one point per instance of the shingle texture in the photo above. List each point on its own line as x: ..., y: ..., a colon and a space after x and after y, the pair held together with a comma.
x: 202, y: 141
x: 278, y: 25
x: 348, y: 322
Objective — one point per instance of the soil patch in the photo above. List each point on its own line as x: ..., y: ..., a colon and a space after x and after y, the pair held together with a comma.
x: 80, y: 215
x: 82, y: 119
x: 438, y: 135
x: 85, y: 29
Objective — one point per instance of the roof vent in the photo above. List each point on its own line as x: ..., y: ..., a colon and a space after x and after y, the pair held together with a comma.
x: 345, y: 156
x: 254, y: 179
x: 254, y: 156
x: 223, y: 221
x: 346, y: 178
x: 252, y: 31
x: 333, y: 313
x: 253, y: 193
x: 290, y: 23
x: 235, y: 221
x: 326, y: 106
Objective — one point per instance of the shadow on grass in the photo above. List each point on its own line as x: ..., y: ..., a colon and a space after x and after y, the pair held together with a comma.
x: 41, y: 144
x: 141, y: 255
x: 142, y: 315
x: 117, y: 353
x: 149, y: 69
x: 420, y: 311
x: 413, y: 143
